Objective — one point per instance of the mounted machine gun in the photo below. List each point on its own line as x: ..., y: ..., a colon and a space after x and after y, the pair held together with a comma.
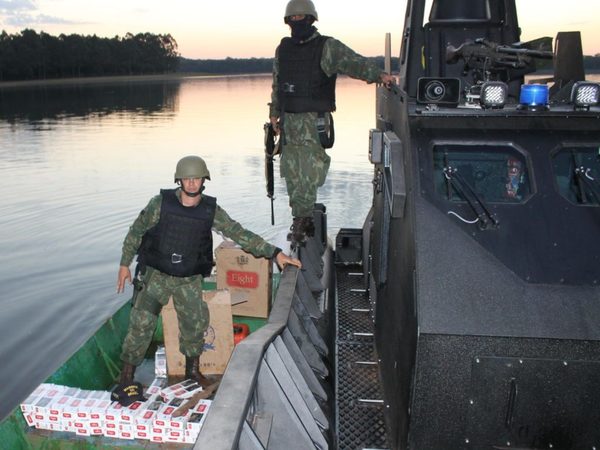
x: 489, y: 61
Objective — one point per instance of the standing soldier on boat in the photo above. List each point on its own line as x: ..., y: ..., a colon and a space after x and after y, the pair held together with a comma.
x: 172, y: 237
x: 302, y: 100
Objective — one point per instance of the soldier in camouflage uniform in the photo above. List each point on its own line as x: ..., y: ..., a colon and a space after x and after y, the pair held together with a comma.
x: 302, y: 100
x: 173, y: 240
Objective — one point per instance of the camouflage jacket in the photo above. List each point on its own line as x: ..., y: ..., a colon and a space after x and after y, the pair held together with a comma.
x: 337, y: 59
x: 222, y: 224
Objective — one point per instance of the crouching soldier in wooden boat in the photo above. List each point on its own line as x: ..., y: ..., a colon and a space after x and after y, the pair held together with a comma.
x: 172, y: 237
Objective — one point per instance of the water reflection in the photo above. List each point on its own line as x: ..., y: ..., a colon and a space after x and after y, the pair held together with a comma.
x: 79, y: 162
x: 56, y: 102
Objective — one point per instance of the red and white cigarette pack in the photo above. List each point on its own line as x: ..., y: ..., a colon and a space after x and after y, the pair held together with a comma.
x: 27, y: 405
x: 128, y: 414
x: 125, y: 431
x: 155, y: 387
x: 185, y: 389
x: 160, y: 363
x: 145, y: 416
x: 112, y: 414
x: 197, y: 416
x: 164, y: 414
x: 175, y: 435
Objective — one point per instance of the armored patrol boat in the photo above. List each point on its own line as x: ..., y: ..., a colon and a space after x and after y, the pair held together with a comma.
x: 465, y: 314
x: 466, y: 310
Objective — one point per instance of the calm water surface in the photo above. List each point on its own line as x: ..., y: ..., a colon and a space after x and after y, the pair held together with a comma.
x: 78, y: 163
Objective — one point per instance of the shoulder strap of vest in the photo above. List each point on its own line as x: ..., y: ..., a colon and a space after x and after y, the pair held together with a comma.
x: 210, y: 201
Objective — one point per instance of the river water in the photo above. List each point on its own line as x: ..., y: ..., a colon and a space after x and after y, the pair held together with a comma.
x: 78, y: 163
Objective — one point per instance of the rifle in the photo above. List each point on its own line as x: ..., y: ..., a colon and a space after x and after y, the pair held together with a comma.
x: 272, y: 148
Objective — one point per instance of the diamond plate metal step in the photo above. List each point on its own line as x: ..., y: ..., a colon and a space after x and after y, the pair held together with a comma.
x: 359, y: 402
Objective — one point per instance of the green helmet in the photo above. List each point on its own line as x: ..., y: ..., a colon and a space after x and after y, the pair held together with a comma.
x: 191, y: 167
x: 300, y: 7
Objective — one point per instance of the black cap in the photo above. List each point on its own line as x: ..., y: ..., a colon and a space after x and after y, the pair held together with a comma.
x: 128, y: 393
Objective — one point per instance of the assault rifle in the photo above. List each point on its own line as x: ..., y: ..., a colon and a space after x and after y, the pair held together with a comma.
x: 272, y: 148
x: 486, y: 57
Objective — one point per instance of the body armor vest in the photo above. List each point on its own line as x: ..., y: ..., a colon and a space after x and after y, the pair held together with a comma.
x: 303, y: 86
x: 180, y: 244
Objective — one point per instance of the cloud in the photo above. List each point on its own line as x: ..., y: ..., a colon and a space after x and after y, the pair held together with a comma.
x: 23, y: 13
x: 25, y: 20
x: 8, y: 6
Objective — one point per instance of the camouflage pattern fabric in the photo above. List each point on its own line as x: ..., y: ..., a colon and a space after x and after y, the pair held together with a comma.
x: 304, y: 169
x: 192, y: 314
x: 304, y: 163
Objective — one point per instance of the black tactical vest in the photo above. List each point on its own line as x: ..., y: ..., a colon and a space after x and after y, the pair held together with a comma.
x: 303, y: 86
x: 180, y: 244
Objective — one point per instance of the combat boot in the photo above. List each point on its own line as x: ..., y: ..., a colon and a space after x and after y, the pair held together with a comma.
x: 298, y: 230
x: 308, y: 226
x: 192, y: 371
x: 127, y: 374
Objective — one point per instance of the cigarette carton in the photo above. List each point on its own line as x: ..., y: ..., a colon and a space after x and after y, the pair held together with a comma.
x: 185, y: 389
x: 197, y: 416
x: 160, y: 363
x: 155, y: 387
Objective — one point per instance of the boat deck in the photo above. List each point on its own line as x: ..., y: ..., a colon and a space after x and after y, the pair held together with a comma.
x: 359, y: 405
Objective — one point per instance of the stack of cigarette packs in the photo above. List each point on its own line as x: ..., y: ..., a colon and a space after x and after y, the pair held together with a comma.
x: 92, y: 413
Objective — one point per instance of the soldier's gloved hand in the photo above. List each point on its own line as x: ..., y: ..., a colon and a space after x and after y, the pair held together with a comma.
x: 124, y: 275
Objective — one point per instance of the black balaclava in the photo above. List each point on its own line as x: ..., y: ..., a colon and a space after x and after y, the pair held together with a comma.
x: 302, y: 29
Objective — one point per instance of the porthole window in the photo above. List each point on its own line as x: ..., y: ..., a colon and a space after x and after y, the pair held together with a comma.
x: 495, y: 173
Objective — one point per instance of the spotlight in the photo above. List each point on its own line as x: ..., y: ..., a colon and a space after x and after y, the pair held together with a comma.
x: 493, y: 94
x: 585, y: 94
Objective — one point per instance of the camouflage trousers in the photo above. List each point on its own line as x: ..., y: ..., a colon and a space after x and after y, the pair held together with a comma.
x: 192, y: 314
x: 304, y: 162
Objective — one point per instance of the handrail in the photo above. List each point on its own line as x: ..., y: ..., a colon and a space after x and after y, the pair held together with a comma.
x: 227, y: 415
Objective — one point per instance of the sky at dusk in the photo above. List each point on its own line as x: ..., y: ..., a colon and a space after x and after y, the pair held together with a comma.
x: 211, y: 29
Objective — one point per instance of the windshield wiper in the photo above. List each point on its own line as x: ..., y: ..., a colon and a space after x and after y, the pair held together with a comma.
x: 455, y: 180
x: 587, y: 184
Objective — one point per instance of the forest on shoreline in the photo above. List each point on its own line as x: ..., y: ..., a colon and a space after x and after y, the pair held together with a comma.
x: 32, y: 56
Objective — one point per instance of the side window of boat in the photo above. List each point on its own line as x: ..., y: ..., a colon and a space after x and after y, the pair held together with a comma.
x: 495, y: 173
x: 577, y: 174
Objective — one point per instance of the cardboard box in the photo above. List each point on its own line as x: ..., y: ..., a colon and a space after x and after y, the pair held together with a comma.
x: 246, y: 277
x: 218, y: 339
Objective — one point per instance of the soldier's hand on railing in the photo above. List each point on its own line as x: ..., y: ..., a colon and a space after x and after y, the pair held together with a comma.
x: 387, y: 80
x: 283, y: 260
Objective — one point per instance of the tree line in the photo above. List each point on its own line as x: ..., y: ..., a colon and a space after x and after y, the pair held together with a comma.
x: 29, y: 55
x: 243, y: 65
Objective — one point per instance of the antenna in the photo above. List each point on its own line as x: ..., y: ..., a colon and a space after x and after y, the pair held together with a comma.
x: 387, y: 64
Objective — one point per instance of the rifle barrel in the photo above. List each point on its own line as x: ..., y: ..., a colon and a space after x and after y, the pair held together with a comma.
x: 526, y: 52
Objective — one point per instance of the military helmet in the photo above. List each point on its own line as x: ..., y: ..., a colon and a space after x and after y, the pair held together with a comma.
x: 300, y: 7
x: 191, y: 167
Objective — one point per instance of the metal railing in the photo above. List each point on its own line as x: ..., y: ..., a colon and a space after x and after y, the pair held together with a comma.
x: 273, y: 393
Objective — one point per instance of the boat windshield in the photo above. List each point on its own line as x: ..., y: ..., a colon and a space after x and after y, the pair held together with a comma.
x: 496, y: 173
x: 577, y: 174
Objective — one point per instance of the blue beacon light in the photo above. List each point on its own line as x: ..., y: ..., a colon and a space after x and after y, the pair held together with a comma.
x: 534, y: 97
